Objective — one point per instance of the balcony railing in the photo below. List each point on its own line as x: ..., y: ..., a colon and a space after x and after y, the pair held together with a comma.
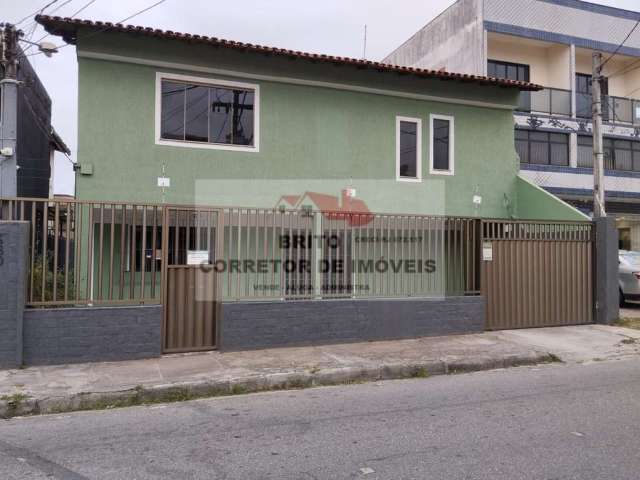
x: 554, y: 101
x: 614, y: 109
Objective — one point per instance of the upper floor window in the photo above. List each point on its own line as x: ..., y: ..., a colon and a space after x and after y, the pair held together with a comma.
x: 206, y: 113
x: 508, y: 70
x: 408, y: 149
x: 442, y: 144
x: 542, y: 148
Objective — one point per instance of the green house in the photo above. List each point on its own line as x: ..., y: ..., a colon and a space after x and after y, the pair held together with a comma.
x: 174, y: 118
x: 269, y: 197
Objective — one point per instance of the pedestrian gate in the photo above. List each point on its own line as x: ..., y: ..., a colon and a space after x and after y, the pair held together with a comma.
x: 191, y: 290
x: 537, y: 274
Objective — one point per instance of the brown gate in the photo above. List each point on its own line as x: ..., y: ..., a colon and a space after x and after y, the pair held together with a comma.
x: 190, y: 242
x: 537, y: 274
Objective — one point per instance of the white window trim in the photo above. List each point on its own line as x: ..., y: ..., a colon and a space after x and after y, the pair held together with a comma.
x: 418, y: 122
x: 452, y: 129
x: 213, y: 82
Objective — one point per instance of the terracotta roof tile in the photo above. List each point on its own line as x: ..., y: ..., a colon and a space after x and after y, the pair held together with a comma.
x: 67, y: 29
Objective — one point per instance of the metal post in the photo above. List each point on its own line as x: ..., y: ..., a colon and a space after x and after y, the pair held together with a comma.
x: 8, y: 112
x: 598, y: 168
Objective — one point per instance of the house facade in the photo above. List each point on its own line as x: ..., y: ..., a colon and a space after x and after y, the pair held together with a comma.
x: 182, y: 119
x: 551, y: 42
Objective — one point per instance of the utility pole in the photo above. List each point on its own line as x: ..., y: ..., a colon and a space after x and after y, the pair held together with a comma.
x: 598, y: 167
x: 8, y: 110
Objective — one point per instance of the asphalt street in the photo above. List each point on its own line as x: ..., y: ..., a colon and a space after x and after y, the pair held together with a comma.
x: 548, y: 422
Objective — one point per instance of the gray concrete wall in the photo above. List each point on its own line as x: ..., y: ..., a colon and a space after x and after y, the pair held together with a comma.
x: 91, y: 334
x: 13, y: 268
x: 250, y: 325
x: 454, y: 41
x: 606, y: 274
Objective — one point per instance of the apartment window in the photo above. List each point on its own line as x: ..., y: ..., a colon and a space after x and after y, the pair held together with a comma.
x: 408, y: 149
x: 583, y: 95
x: 203, y: 112
x: 508, y: 70
x: 441, y: 144
x: 542, y: 148
x: 618, y: 154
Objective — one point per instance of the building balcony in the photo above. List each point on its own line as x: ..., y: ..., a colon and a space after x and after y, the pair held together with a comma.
x: 552, y: 101
x: 614, y: 109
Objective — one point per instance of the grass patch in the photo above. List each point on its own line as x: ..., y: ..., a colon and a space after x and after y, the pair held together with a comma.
x: 420, y: 372
x: 628, y: 323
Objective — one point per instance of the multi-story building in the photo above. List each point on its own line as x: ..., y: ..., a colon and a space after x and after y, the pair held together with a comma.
x: 551, y: 43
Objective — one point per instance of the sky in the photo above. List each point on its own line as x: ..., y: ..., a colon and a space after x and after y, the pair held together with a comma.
x: 333, y: 27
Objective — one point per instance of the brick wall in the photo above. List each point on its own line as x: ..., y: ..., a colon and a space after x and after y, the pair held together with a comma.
x: 92, y: 334
x: 247, y: 325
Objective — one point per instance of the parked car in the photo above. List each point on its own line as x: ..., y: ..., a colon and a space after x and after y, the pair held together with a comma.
x: 628, y: 276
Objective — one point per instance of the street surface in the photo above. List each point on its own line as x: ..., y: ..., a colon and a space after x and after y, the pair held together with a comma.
x: 550, y: 422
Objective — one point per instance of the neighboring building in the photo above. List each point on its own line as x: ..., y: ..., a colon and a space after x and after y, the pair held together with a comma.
x: 550, y: 42
x: 179, y: 118
x: 25, y: 128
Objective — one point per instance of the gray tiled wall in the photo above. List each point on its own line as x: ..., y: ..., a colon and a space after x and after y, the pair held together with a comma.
x: 92, y: 334
x: 251, y: 325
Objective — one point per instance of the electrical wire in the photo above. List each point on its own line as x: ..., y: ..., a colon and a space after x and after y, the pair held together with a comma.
x: 58, y: 47
x: 35, y: 13
x: 81, y: 9
x: 615, y: 52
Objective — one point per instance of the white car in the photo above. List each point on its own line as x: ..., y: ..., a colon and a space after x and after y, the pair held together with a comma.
x: 628, y: 275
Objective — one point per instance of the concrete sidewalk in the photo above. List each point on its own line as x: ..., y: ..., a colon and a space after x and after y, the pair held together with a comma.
x: 53, y: 389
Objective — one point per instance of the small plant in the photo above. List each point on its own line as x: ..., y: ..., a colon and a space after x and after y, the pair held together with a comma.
x: 39, y: 271
x: 13, y: 402
x: 420, y: 372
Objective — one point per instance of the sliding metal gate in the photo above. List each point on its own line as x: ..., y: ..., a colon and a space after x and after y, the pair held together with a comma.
x: 190, y: 242
x: 537, y: 274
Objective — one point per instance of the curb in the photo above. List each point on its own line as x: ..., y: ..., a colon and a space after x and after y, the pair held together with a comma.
x: 21, y: 405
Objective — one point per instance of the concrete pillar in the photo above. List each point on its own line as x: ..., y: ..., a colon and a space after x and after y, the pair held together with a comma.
x: 606, y: 271
x: 572, y: 80
x: 573, y: 150
x: 13, y: 273
x: 8, y: 136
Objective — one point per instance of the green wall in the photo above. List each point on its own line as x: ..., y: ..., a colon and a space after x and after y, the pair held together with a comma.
x: 534, y: 203
x: 312, y: 138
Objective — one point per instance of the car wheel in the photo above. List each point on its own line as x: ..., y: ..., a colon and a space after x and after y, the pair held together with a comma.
x: 623, y: 303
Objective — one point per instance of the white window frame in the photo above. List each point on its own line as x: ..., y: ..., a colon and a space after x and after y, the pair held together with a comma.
x: 451, y: 119
x: 160, y: 76
x: 418, y: 122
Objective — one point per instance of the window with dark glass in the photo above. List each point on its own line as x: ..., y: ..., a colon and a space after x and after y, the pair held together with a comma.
x: 441, y: 144
x: 583, y: 95
x: 207, y: 114
x: 508, y: 70
x: 408, y: 154
x: 618, y: 154
x: 542, y: 148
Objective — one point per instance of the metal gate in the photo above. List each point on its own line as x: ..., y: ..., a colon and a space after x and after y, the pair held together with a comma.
x: 190, y: 244
x: 537, y: 274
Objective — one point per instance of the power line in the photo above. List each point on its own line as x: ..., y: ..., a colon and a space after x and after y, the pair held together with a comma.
x: 81, y: 9
x: 34, y: 24
x: 615, y: 52
x: 58, y: 47
x: 34, y: 13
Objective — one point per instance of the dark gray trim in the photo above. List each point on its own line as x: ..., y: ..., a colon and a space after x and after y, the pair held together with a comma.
x: 559, y: 38
x: 254, y: 325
